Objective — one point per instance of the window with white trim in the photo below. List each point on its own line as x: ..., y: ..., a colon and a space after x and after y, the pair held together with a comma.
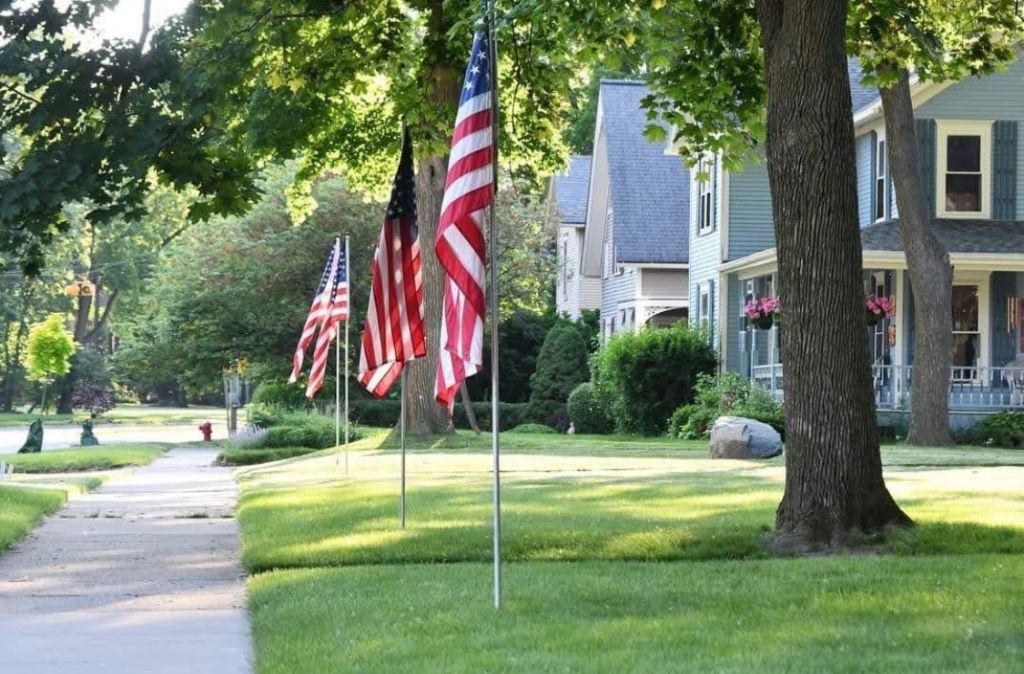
x: 704, y: 306
x: 964, y: 161
x: 705, y: 196
x: 881, y: 206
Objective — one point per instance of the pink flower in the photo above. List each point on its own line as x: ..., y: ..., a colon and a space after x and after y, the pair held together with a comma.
x: 880, y: 306
x: 764, y: 307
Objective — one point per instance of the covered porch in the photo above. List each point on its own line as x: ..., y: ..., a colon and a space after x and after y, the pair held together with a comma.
x: 987, y: 372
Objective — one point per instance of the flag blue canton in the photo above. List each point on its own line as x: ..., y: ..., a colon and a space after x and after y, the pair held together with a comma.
x: 342, y: 266
x: 478, y: 71
x: 326, y: 278
x: 403, y: 188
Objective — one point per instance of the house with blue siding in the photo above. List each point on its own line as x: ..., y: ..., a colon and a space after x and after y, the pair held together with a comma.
x: 635, y: 235
x: 973, y: 171
x: 567, y: 199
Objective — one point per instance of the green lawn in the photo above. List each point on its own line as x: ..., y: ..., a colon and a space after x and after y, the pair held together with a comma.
x: 669, y: 569
x: 102, y: 457
x: 847, y: 614
x: 21, y: 508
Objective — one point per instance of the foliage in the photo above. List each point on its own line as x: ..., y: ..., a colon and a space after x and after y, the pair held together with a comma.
x: 725, y: 394
x: 533, y: 429
x: 280, y: 394
x: 88, y: 396
x: 1005, y: 429
x: 375, y: 413
x: 648, y: 374
x: 512, y: 415
x: 253, y: 437
x: 233, y: 456
x: 49, y: 349
x: 587, y: 410
x: 561, y: 367
x: 313, y: 431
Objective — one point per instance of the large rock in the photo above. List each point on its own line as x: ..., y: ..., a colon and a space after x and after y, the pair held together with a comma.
x: 741, y: 438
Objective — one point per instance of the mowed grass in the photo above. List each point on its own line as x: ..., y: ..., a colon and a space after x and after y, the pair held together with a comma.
x: 842, y: 614
x: 102, y: 457
x: 570, y: 506
x: 21, y: 508
x: 233, y: 456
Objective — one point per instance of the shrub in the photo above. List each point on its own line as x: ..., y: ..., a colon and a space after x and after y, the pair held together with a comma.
x: 249, y: 438
x: 278, y: 394
x: 561, y: 367
x: 645, y: 376
x: 372, y: 412
x: 247, y: 457
x: 587, y: 410
x: 314, y: 432
x: 512, y: 415
x: 1005, y: 429
x: 727, y: 394
x: 533, y: 429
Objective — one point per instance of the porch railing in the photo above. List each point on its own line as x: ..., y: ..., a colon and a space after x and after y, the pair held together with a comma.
x: 970, y: 388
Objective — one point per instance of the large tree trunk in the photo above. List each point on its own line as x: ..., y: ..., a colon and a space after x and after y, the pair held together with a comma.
x: 931, y: 276
x: 834, y: 487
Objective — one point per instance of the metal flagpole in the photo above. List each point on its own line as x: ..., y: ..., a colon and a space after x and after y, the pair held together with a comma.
x: 493, y: 245
x: 348, y: 319
x: 401, y: 440
x: 337, y: 374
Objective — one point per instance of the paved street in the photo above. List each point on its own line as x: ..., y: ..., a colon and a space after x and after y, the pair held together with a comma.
x: 55, y: 437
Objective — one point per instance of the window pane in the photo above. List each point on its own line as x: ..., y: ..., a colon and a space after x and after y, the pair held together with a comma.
x: 965, y: 308
x: 963, y: 153
x: 879, y: 199
x: 881, y: 159
x: 963, y: 192
x: 965, y: 353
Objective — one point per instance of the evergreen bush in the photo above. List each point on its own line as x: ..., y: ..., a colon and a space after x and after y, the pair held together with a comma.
x: 726, y: 394
x: 561, y: 367
x: 646, y: 375
x: 280, y: 394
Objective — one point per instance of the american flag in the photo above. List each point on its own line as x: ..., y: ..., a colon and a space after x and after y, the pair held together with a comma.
x: 460, y: 247
x: 394, y: 334
x: 317, y: 311
x: 335, y: 310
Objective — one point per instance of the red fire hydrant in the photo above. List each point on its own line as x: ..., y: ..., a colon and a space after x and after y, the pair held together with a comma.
x: 207, y: 428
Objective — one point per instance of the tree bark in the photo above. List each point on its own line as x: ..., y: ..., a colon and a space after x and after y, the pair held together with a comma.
x: 834, y: 489
x: 931, y: 276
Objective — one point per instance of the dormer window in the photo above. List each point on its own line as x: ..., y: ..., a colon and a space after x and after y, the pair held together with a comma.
x: 881, y: 184
x: 964, y: 173
x: 705, y: 212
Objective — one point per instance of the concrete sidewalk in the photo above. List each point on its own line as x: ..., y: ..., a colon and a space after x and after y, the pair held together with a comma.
x: 140, y: 577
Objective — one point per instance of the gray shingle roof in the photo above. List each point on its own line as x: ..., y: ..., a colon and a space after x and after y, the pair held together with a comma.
x: 572, y: 190
x: 861, y: 95
x: 958, y: 236
x: 649, y: 190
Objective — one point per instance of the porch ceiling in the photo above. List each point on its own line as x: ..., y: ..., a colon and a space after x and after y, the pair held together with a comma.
x: 1000, y: 237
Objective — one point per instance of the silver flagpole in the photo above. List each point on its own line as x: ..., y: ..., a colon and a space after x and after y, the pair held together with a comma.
x: 337, y: 378
x: 401, y: 440
x: 348, y: 318
x: 493, y: 245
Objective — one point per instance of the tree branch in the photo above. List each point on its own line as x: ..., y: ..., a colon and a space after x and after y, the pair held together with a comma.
x: 102, y: 322
x: 173, y: 235
x: 147, y: 10
x: 21, y: 93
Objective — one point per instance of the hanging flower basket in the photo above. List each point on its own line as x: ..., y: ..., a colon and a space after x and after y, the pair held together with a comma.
x: 878, y: 309
x: 763, y: 313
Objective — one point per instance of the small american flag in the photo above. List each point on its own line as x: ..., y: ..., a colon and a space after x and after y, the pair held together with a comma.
x: 317, y: 311
x: 393, y: 334
x: 334, y: 311
x: 460, y: 247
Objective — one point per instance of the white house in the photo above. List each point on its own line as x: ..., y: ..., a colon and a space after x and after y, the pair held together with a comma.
x: 574, y: 292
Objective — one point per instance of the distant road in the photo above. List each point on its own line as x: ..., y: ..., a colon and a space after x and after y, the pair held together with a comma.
x: 58, y: 436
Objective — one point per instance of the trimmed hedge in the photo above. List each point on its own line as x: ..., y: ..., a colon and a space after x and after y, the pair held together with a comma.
x: 378, y: 413
x: 561, y: 367
x: 1005, y: 429
x: 248, y: 457
x: 533, y: 429
x: 587, y: 411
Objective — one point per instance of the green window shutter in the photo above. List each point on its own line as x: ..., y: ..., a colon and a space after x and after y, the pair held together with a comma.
x: 1004, y: 170
x: 925, y: 129
x: 873, y: 182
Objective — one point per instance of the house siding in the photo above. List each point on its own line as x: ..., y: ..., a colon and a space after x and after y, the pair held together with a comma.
x: 750, y: 211
x: 994, y: 97
x: 705, y: 251
x: 663, y: 283
x: 865, y: 176
x: 615, y: 290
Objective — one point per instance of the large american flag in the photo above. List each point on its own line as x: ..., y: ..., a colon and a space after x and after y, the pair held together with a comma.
x: 335, y: 310
x: 393, y: 334
x: 317, y: 311
x: 469, y: 190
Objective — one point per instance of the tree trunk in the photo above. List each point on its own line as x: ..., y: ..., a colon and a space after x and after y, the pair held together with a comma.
x: 931, y: 276
x: 834, y: 488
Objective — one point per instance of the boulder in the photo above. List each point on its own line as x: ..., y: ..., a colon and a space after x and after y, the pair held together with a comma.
x: 741, y: 438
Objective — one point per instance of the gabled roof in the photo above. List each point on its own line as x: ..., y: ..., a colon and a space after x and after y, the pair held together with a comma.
x: 957, y: 236
x: 649, y: 190
x: 571, y: 190
x: 861, y: 95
